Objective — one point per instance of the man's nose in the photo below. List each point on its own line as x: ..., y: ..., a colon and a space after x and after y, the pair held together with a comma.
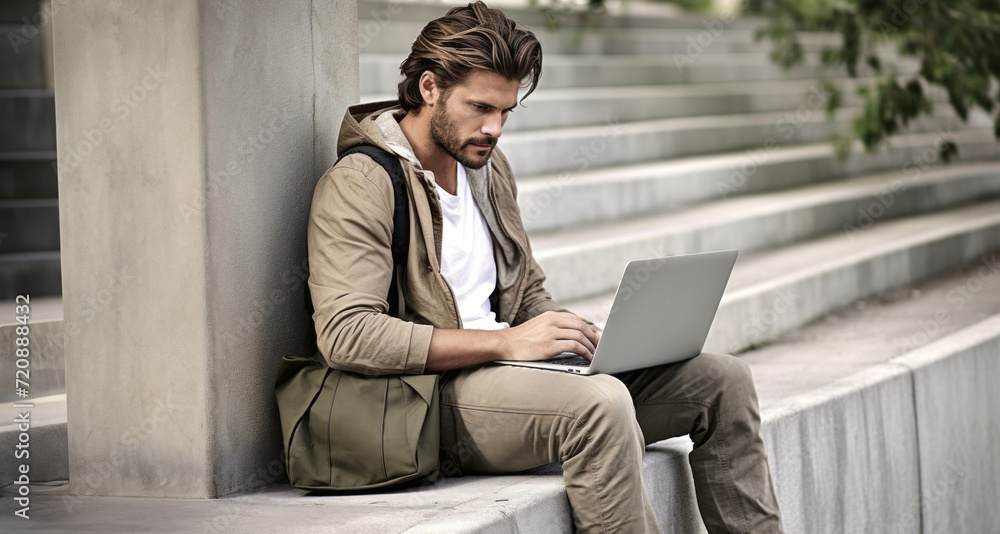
x: 493, y: 125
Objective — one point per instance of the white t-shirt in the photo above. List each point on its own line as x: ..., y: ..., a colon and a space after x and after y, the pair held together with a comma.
x: 467, y: 261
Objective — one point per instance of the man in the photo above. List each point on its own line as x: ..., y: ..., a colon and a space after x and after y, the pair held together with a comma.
x: 475, y: 294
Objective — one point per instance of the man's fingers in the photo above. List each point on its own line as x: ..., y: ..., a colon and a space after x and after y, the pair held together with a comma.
x: 577, y: 336
x: 571, y: 321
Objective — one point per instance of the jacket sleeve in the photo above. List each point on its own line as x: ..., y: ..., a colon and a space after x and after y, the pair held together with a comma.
x: 536, y: 300
x: 350, y: 269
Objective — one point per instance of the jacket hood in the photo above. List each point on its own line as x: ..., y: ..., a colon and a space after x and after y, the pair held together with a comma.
x: 359, y: 126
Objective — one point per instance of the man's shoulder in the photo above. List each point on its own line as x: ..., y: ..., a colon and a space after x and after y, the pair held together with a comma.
x: 358, y: 166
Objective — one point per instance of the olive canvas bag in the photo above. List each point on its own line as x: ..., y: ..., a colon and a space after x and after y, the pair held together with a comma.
x: 348, y: 431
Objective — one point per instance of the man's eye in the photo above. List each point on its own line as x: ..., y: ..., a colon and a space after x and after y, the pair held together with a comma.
x: 481, y: 108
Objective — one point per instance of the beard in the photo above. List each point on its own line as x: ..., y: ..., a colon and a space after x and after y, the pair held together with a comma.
x: 444, y: 133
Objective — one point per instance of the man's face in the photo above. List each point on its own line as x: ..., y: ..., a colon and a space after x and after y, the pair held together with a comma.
x: 466, y: 122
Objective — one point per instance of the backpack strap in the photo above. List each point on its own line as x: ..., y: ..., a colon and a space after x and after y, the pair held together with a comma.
x: 400, y: 217
x: 400, y: 221
x: 401, y: 214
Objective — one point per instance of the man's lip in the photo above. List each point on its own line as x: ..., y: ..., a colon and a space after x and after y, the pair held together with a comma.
x: 482, y: 146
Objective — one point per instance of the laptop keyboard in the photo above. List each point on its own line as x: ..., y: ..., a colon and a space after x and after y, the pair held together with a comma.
x: 571, y: 359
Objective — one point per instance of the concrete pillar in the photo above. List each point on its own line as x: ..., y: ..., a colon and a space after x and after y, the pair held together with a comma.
x: 190, y: 136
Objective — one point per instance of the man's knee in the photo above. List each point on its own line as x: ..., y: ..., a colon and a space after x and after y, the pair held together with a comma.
x: 603, y: 404
x: 605, y: 420
x: 731, y: 374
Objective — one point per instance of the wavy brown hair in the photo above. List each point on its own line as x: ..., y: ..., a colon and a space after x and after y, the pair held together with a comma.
x: 467, y: 38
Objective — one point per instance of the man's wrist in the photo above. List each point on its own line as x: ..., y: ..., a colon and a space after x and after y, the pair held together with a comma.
x: 498, y: 344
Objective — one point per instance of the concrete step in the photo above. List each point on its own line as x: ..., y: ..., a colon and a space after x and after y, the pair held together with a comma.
x: 777, y: 291
x: 28, y: 175
x: 614, y: 143
x: 574, y: 107
x: 21, y: 63
x: 12, y: 11
x: 30, y: 273
x: 47, y: 341
x: 588, y: 106
x: 569, y: 200
x: 856, y: 447
x: 29, y: 119
x: 380, y: 72
x: 47, y: 446
x: 637, y: 15
x: 32, y: 225
x: 394, y: 36
x: 765, y: 221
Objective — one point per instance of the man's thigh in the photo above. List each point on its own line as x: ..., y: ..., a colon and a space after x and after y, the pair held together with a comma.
x: 498, y: 418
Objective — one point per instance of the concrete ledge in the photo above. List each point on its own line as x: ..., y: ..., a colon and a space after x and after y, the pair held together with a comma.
x: 844, y: 458
x: 48, y: 368
x: 958, y: 426
x: 47, y: 449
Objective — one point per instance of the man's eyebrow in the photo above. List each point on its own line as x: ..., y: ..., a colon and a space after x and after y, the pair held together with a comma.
x: 484, y: 104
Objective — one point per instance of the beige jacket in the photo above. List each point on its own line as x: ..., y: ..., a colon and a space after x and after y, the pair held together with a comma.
x: 350, y: 257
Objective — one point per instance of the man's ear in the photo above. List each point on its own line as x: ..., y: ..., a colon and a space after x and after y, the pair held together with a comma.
x: 429, y: 88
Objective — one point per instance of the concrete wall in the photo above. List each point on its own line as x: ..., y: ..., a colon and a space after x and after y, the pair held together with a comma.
x: 908, y: 446
x: 958, y: 423
x: 190, y: 136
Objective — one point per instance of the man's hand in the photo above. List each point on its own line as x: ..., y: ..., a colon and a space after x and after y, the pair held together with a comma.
x: 549, y: 334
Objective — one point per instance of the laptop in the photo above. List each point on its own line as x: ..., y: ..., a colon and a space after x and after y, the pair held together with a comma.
x: 661, y: 314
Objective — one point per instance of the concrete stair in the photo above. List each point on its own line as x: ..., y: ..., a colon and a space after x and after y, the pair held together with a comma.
x: 29, y: 206
x: 866, y: 298
x: 610, y: 41
x: 381, y: 71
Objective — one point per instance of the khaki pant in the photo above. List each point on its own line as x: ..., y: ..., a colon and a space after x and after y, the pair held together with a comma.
x: 500, y: 419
